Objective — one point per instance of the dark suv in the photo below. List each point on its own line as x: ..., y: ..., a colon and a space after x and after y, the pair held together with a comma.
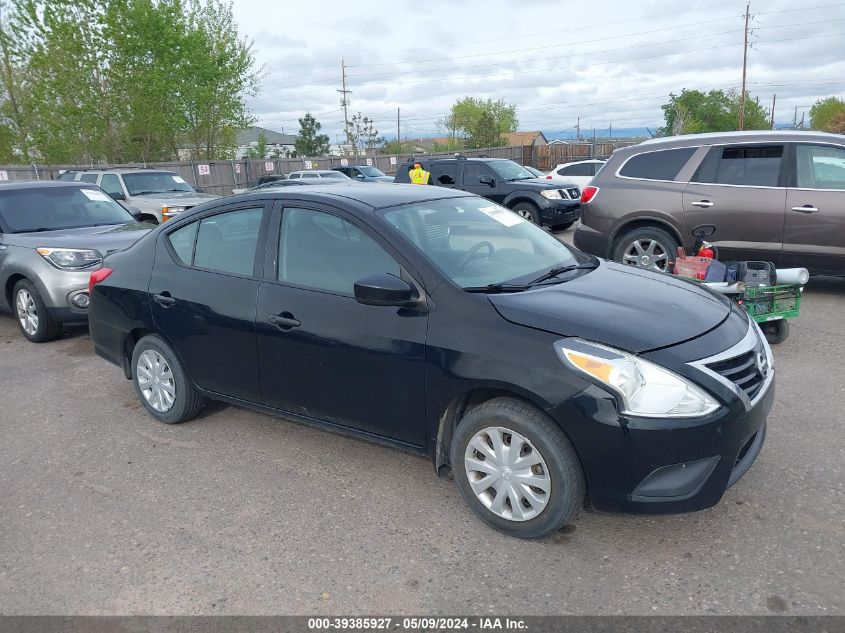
x: 771, y: 196
x: 546, y: 203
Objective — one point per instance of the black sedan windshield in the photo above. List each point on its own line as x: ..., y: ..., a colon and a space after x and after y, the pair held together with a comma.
x: 56, y: 208
x: 477, y: 243
x: 155, y: 182
x: 371, y: 172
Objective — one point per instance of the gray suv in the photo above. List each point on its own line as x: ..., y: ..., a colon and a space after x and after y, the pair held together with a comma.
x: 771, y: 196
x: 151, y: 195
x: 52, y: 237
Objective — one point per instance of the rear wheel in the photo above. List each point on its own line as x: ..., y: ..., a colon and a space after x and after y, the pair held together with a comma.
x: 527, y: 211
x: 516, y: 469
x: 646, y: 247
x: 34, y: 320
x: 161, y: 384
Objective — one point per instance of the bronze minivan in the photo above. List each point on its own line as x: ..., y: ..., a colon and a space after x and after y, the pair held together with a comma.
x: 774, y: 196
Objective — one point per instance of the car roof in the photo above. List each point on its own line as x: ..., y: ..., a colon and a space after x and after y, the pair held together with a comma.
x: 375, y: 196
x: 484, y: 159
x: 313, y: 171
x: 747, y: 136
x: 41, y: 184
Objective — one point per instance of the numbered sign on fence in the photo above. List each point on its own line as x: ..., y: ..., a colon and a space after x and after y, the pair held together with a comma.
x: 204, y: 170
x: 392, y: 160
x: 268, y: 166
x: 307, y: 164
x: 237, y: 168
x: 344, y: 162
x: 370, y: 162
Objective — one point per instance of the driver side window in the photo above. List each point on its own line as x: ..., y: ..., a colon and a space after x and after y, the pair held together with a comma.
x: 474, y: 173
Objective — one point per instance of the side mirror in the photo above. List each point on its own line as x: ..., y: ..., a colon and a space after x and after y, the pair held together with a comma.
x: 384, y: 290
x: 117, y: 195
x: 487, y: 180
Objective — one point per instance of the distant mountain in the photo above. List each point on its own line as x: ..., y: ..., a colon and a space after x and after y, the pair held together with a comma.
x: 587, y: 133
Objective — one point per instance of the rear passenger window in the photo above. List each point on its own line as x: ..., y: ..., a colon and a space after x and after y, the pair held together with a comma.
x: 92, y: 178
x: 581, y: 169
x: 750, y: 166
x: 182, y: 241
x: 227, y: 241
x: 658, y: 165
x: 444, y: 174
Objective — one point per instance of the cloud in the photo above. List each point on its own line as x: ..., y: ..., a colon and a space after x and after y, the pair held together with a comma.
x: 614, y: 61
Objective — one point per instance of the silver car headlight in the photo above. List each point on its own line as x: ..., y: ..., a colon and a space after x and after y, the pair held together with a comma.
x: 170, y: 212
x: 551, y: 194
x: 70, y: 258
x: 642, y: 388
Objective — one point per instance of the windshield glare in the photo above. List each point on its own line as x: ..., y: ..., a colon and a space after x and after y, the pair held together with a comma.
x: 155, y: 182
x: 509, y: 170
x: 371, y: 172
x: 56, y: 208
x: 475, y: 242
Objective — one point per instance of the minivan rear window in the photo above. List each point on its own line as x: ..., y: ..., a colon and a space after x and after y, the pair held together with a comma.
x: 657, y: 165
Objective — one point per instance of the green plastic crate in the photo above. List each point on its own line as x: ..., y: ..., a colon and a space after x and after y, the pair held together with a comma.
x: 770, y: 303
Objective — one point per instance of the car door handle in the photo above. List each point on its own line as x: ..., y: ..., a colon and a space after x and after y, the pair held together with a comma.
x: 164, y: 299
x: 284, y: 321
x: 705, y: 204
x: 807, y: 208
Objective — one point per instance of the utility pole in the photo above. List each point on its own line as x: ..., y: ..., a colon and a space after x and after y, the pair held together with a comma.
x: 741, y: 125
x: 344, y: 100
x: 398, y: 137
x: 795, y: 119
x: 774, y: 101
x: 578, y: 129
x: 610, y: 132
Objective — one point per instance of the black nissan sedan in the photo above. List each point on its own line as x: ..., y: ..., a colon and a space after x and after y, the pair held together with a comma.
x: 438, y: 322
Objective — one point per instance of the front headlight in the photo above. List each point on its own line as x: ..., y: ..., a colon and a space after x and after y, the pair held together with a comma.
x: 551, y: 194
x: 70, y: 258
x: 642, y: 387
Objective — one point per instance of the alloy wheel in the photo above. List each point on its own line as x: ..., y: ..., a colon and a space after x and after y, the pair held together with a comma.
x: 525, y: 214
x: 27, y: 312
x: 647, y: 253
x: 155, y: 380
x: 507, y: 474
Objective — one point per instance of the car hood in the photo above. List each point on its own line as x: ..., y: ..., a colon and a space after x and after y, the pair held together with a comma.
x: 620, y: 306
x: 380, y: 179
x: 104, y: 239
x: 178, y: 198
x: 541, y: 184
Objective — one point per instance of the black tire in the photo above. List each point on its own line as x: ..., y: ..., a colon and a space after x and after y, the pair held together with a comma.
x: 563, y: 227
x: 776, y: 331
x: 187, y: 401
x: 665, y: 240
x: 48, y: 328
x: 567, y: 488
x: 527, y: 210
x: 149, y: 219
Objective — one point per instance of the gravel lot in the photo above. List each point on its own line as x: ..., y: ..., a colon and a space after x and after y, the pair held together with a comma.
x: 105, y: 511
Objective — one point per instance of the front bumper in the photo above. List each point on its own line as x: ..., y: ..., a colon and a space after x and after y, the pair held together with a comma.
x: 560, y: 211
x: 652, y: 465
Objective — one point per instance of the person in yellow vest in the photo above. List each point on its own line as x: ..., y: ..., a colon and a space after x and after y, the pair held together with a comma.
x: 418, y: 175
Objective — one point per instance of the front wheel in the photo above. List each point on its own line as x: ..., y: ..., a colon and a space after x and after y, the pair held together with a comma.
x: 34, y: 320
x: 527, y: 211
x: 516, y: 469
x: 161, y: 384
x: 776, y: 331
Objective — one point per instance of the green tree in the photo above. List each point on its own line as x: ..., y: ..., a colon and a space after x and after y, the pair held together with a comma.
x: 259, y: 151
x: 828, y: 115
x: 309, y: 141
x: 694, y: 111
x: 14, y: 90
x: 480, y: 122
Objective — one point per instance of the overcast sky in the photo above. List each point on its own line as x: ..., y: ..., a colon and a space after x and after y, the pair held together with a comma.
x: 607, y: 61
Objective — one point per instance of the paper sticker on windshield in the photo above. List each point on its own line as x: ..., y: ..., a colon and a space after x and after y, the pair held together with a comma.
x: 95, y: 194
x: 181, y: 180
x: 502, y: 216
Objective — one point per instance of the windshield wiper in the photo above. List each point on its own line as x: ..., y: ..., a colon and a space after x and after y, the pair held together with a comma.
x: 41, y: 229
x: 497, y: 288
x: 559, y: 270
x: 521, y: 178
